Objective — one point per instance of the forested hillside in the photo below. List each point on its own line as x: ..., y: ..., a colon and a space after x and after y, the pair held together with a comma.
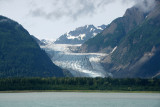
x: 20, y: 55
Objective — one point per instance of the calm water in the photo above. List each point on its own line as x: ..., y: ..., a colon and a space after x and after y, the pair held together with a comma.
x: 71, y: 99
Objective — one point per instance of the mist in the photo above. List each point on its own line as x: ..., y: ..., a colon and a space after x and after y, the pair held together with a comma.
x: 145, y: 5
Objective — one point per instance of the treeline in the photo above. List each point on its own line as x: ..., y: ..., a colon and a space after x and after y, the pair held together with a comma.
x: 127, y: 84
x: 20, y: 55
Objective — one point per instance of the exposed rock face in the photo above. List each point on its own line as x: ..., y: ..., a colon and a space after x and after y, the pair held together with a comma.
x: 113, y: 34
x: 136, y: 39
x: 137, y: 55
x: 80, y: 35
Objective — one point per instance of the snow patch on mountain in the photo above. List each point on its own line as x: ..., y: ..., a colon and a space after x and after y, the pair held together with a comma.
x: 79, y: 37
x: 92, y: 29
x: 70, y: 36
x: 99, y: 28
x: 114, y: 49
x: 94, y: 34
x: 80, y: 34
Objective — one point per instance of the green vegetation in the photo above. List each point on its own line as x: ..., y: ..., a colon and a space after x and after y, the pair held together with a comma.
x: 20, y: 55
x: 139, y: 49
x: 137, y: 37
x: 103, y: 84
x: 140, y: 40
x: 101, y: 41
x: 116, y: 31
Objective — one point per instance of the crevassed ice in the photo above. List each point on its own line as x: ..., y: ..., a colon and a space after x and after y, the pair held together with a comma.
x: 79, y: 64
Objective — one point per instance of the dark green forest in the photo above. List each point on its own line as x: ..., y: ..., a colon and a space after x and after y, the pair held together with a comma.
x: 108, y: 84
x: 20, y: 55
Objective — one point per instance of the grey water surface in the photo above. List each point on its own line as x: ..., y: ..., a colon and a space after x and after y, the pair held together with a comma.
x: 75, y: 99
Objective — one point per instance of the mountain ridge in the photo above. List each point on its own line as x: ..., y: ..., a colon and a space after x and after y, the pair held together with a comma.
x: 112, y: 35
x: 20, y: 55
x: 80, y: 34
x: 135, y: 40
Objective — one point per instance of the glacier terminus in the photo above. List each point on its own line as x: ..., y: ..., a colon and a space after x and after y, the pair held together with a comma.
x: 79, y: 64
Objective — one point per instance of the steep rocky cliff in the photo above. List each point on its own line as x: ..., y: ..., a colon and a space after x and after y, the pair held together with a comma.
x: 135, y: 39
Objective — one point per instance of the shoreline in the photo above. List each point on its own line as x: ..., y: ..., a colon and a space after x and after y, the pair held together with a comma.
x: 80, y: 91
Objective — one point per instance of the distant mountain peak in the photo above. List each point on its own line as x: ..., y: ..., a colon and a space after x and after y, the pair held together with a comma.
x: 80, y: 34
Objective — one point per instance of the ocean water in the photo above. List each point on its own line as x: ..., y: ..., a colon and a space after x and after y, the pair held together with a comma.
x: 79, y: 99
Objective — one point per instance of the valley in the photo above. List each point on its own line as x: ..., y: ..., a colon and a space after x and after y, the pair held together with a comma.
x: 79, y: 64
x: 128, y: 47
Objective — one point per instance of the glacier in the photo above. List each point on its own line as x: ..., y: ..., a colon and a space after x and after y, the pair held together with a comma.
x: 79, y: 64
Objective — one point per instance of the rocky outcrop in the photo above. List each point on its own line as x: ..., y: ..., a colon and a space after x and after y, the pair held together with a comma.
x: 135, y: 41
x: 80, y: 34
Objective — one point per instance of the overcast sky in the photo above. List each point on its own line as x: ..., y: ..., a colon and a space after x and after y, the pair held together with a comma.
x: 49, y: 19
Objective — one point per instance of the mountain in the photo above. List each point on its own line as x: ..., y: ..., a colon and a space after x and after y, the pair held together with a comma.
x: 132, y: 42
x: 38, y: 41
x: 42, y: 42
x: 139, y: 53
x: 80, y: 35
x: 47, y: 41
x: 113, y: 34
x: 20, y: 55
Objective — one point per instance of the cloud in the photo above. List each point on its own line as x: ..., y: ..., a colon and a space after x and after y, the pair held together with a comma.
x: 145, y: 5
x: 67, y: 8
x: 74, y: 9
x: 4, y: 0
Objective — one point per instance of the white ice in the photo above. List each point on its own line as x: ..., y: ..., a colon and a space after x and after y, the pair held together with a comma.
x: 79, y: 64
